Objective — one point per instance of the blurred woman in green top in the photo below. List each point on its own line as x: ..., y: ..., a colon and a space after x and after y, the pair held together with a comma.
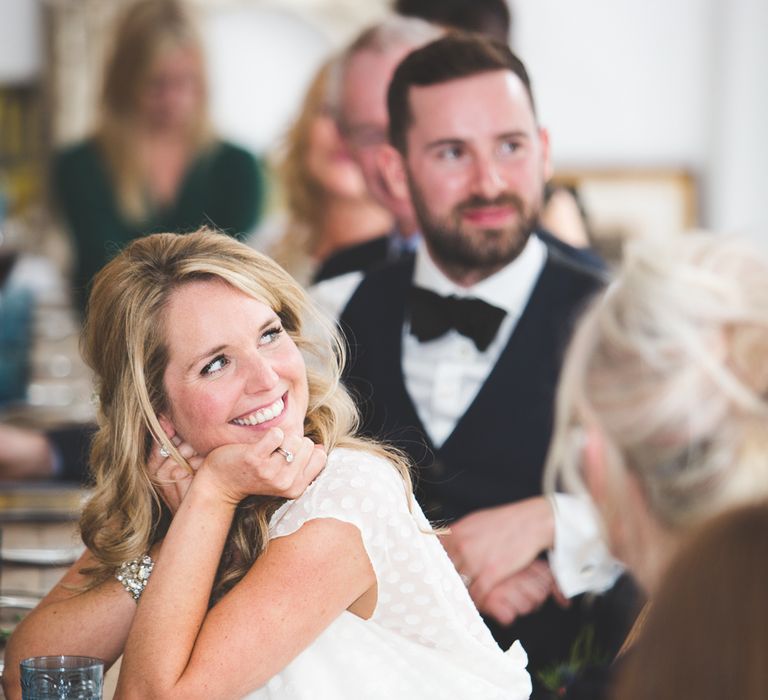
x: 153, y: 162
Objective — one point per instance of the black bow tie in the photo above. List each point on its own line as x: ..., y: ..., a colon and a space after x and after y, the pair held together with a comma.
x: 433, y: 316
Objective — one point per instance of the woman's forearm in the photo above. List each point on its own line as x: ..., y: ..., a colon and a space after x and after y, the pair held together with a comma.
x: 174, y: 604
x: 92, y: 623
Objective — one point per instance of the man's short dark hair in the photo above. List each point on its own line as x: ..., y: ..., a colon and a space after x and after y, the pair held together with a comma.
x: 457, y: 55
x: 489, y: 17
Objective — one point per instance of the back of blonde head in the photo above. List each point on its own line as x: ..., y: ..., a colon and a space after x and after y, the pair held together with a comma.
x: 670, y: 365
x: 123, y: 342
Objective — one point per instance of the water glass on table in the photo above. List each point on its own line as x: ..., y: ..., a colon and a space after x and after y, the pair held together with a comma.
x: 62, y: 678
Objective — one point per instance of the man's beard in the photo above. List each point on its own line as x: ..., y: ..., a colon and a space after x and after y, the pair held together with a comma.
x: 480, y: 252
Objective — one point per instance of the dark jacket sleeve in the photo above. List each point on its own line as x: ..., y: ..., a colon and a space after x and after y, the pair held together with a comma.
x: 71, y: 445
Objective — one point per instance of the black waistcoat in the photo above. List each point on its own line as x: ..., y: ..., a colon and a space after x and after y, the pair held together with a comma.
x: 497, y: 449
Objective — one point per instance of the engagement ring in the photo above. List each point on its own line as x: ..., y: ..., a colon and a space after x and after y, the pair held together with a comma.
x: 286, y: 453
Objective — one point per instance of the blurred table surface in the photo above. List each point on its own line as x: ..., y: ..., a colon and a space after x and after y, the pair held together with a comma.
x: 39, y: 540
x: 59, y: 385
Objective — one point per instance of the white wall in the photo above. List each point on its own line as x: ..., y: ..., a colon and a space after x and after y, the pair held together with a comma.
x: 738, y: 166
x: 658, y: 83
x: 260, y: 60
x: 619, y: 81
x: 21, y: 30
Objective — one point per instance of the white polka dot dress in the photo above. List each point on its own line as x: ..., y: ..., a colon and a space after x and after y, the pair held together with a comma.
x: 425, y: 639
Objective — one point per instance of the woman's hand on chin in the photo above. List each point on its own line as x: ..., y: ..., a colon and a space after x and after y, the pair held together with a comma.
x: 261, y: 469
x: 171, y: 478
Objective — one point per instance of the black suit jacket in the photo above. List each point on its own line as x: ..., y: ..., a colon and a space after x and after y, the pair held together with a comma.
x: 72, y: 444
x: 360, y: 257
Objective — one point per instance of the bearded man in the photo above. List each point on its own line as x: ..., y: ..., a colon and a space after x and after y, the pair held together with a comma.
x: 455, y: 354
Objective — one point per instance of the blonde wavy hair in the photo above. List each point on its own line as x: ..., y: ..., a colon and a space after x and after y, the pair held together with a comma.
x: 124, y: 343
x: 145, y: 30
x: 305, y: 197
x: 669, y: 364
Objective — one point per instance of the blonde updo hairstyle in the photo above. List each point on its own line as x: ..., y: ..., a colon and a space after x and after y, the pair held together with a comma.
x: 124, y: 343
x: 670, y: 364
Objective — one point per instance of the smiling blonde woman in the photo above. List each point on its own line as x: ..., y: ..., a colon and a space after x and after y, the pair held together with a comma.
x: 257, y: 574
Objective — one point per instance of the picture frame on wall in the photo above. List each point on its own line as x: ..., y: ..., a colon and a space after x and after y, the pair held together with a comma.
x: 625, y: 203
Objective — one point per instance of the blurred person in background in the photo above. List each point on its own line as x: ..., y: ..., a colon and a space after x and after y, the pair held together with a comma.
x: 358, y: 97
x: 662, y: 401
x: 327, y: 201
x: 565, y: 216
x: 153, y: 161
x: 491, y: 18
x: 705, y: 636
x: 54, y: 455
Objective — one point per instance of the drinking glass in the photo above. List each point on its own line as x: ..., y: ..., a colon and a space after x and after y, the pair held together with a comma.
x: 62, y: 678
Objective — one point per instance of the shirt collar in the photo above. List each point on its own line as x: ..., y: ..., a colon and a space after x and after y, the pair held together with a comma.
x: 400, y: 244
x: 509, y: 288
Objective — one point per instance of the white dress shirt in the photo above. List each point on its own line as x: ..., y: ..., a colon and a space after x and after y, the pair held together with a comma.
x: 333, y: 295
x: 444, y: 375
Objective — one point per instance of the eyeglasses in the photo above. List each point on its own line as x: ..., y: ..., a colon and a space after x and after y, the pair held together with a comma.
x: 364, y: 135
